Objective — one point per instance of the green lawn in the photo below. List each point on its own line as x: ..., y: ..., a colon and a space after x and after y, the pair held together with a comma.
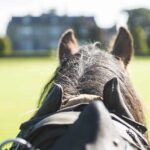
x: 22, y: 80
x: 140, y: 74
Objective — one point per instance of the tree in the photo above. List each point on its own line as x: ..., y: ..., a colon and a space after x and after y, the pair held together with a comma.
x: 2, y: 46
x: 139, y: 23
x: 140, y: 39
x: 139, y: 17
x: 5, y: 46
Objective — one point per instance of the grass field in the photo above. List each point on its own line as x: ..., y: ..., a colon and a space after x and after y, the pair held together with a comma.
x: 22, y: 81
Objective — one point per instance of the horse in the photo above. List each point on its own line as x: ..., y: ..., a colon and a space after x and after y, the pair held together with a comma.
x: 92, y: 81
x: 86, y: 69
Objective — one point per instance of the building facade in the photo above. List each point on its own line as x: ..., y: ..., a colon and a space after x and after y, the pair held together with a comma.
x: 43, y: 32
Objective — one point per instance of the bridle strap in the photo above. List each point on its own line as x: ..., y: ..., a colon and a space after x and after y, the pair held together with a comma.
x: 82, y: 98
x: 18, y: 142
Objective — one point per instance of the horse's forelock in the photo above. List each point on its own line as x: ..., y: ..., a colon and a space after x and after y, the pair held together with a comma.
x: 89, y: 65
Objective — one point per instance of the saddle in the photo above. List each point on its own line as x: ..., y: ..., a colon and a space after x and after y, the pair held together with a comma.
x: 84, y: 126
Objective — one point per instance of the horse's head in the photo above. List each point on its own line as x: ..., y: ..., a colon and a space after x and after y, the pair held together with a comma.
x: 84, y: 70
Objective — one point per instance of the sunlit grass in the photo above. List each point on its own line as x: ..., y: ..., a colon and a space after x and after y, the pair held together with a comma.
x: 140, y: 75
x: 22, y: 81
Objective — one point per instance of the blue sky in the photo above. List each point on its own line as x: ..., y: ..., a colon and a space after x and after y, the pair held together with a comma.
x: 106, y: 12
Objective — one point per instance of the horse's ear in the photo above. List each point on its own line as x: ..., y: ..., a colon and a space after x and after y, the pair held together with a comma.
x: 52, y: 101
x: 68, y: 45
x: 113, y: 99
x: 123, y: 46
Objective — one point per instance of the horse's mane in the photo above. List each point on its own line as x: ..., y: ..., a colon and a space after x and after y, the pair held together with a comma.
x: 87, y: 72
x: 86, y: 69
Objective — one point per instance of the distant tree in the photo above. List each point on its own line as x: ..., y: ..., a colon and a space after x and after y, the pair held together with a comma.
x: 2, y: 46
x: 5, y: 46
x: 140, y: 39
x: 139, y: 17
x: 139, y: 23
x: 148, y: 40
